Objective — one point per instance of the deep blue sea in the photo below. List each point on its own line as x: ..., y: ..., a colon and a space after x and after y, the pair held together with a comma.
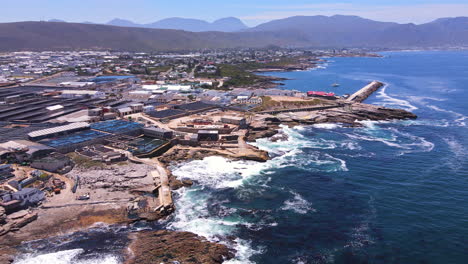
x: 389, y: 192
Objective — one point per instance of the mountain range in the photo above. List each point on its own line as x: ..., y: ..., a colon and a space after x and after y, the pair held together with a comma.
x: 185, y: 34
x: 228, y: 24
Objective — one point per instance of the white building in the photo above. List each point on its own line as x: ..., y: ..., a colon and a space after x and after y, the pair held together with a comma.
x: 80, y: 93
x: 249, y: 100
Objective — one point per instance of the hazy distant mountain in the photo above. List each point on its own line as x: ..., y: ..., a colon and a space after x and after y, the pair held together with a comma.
x: 122, y: 23
x: 333, y: 31
x: 300, y: 31
x: 229, y: 24
x: 71, y: 36
x: 187, y: 24
x: 353, y: 31
x: 55, y: 20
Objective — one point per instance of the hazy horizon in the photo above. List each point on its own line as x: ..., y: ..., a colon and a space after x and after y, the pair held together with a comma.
x: 252, y: 14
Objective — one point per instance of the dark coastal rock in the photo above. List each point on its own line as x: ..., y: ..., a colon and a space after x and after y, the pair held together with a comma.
x: 360, y: 112
x: 165, y: 246
x: 186, y: 154
x: 269, y: 131
x: 177, y: 184
x: 259, y: 156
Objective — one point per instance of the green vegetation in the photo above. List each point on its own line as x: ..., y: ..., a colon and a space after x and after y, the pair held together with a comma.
x: 159, y: 69
x: 237, y: 75
x: 241, y: 75
x: 285, y: 61
x: 84, y: 162
x: 270, y: 104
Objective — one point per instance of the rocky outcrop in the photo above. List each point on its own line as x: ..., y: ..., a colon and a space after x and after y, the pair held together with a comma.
x: 349, y: 114
x: 17, y: 220
x: 360, y: 112
x: 177, y: 184
x: 186, y: 154
x: 165, y: 246
x: 114, y: 178
x: 268, y: 131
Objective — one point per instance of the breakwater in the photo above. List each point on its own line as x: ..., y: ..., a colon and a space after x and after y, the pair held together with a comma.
x: 365, y: 92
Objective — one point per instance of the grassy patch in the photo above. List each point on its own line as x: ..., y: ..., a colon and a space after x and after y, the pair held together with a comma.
x: 270, y: 104
x: 159, y: 68
x: 84, y: 162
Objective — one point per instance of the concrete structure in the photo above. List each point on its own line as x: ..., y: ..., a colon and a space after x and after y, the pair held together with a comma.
x: 76, y: 84
x: 158, y: 132
x: 52, y: 163
x: 80, y: 93
x: 208, y: 135
x: 235, y: 120
x: 125, y: 111
x: 365, y: 92
x: 249, y: 100
x: 137, y: 108
x: 26, y: 197
x: 23, y: 150
x: 6, y: 172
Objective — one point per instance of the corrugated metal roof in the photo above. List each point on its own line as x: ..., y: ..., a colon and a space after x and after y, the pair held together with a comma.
x: 124, y: 110
x: 48, y: 131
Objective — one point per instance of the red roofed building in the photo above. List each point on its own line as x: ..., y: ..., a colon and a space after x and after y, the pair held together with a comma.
x: 321, y: 94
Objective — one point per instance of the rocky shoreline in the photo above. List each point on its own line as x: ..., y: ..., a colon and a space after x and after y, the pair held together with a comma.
x: 165, y: 246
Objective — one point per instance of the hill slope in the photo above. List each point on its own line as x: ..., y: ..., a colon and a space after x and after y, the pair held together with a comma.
x: 66, y: 36
x: 353, y: 31
x: 318, y: 31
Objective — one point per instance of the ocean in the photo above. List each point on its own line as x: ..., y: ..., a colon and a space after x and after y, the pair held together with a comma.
x: 388, y: 192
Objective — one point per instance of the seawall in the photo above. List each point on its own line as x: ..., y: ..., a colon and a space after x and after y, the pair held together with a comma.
x: 365, y: 92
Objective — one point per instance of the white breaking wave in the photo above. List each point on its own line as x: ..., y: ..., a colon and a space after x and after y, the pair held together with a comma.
x: 65, y: 257
x: 193, y: 211
x: 459, y: 150
x: 392, y: 137
x: 297, y: 204
x: 326, y: 126
x: 460, y: 118
x: 243, y: 252
x: 389, y: 101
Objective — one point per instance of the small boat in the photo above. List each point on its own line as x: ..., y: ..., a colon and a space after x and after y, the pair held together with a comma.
x: 83, y: 197
x: 335, y: 85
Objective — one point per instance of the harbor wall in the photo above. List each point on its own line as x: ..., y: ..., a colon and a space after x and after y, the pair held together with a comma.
x: 365, y: 92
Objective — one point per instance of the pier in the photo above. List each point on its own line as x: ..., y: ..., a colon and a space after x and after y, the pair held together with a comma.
x: 365, y: 92
x: 164, y: 190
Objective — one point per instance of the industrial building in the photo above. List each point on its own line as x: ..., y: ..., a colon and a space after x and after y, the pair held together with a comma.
x: 68, y: 143
x: 23, y: 150
x: 58, y: 131
x: 157, y: 132
x: 6, y: 173
x: 234, y: 120
x: 182, y: 110
x: 55, y: 162
x: 208, y: 135
x: 24, y: 198
x: 39, y: 106
x: 118, y: 127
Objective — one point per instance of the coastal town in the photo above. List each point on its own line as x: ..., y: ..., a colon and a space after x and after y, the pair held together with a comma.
x: 89, y: 136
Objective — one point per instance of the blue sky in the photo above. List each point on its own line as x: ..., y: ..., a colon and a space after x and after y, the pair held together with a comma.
x: 252, y: 12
